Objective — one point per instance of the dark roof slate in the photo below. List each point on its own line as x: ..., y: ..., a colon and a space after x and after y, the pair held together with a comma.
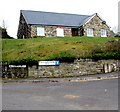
x: 50, y: 18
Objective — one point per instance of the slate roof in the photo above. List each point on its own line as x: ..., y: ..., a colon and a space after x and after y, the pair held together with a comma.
x: 50, y: 18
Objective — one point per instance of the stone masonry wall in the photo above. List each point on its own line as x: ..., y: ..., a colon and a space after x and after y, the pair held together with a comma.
x: 97, y: 25
x: 78, y: 68
x: 50, y: 31
x: 30, y: 31
x: 24, y: 30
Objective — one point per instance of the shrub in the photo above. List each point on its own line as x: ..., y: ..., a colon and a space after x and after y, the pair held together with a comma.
x: 63, y: 56
x: 28, y: 61
x: 112, y: 46
x: 107, y: 55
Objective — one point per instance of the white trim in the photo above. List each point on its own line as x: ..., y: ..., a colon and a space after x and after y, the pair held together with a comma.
x: 60, y: 32
x: 96, y: 14
x: 40, y: 31
x: 90, y: 18
x: 103, y: 33
x: 90, y: 32
x: 23, y: 16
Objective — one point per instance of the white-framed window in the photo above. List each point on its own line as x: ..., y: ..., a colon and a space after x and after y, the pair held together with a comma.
x: 103, y: 33
x: 60, y: 32
x: 90, y: 32
x: 40, y: 31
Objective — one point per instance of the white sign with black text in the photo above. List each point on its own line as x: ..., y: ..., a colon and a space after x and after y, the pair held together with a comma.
x: 17, y: 66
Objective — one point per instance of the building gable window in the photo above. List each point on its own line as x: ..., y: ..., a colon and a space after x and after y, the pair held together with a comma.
x: 40, y: 31
x: 90, y: 32
x: 103, y: 33
x: 60, y: 32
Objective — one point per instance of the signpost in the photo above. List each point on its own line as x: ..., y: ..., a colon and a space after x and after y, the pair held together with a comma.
x: 49, y: 63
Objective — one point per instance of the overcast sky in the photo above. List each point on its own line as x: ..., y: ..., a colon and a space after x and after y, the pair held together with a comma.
x: 10, y: 10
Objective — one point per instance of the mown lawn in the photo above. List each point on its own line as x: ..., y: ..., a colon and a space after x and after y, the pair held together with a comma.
x: 47, y: 48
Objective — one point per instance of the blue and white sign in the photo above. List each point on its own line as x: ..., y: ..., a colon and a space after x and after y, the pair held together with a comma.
x: 57, y: 63
x: 49, y: 63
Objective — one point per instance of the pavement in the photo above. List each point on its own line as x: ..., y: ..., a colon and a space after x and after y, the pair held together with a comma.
x: 80, y: 78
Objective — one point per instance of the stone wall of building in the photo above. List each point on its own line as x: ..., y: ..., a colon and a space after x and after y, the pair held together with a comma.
x: 30, y: 31
x: 24, y: 30
x: 50, y: 31
x: 97, y: 24
x: 78, y: 68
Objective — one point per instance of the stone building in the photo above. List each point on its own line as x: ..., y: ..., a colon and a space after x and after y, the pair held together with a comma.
x: 34, y: 24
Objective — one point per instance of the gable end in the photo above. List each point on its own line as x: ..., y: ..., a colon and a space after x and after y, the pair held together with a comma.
x: 97, y: 24
x: 24, y: 29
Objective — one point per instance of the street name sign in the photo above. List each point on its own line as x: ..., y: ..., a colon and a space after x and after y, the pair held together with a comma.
x: 49, y: 63
x: 18, y: 66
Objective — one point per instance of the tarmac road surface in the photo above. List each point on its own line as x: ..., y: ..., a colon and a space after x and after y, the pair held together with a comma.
x: 88, y: 95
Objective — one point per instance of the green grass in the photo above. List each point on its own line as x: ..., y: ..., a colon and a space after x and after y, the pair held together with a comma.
x: 50, y: 48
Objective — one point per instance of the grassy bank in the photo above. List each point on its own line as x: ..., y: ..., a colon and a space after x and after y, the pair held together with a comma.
x: 54, y: 48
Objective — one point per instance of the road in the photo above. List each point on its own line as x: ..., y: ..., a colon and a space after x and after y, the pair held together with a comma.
x: 83, y: 95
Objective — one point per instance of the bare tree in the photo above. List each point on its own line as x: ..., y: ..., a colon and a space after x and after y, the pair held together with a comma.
x: 4, y: 25
x: 115, y: 29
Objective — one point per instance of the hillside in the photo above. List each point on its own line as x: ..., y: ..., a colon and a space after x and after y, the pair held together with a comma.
x: 54, y: 48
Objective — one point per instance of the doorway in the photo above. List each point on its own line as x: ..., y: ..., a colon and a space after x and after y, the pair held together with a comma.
x: 74, y: 32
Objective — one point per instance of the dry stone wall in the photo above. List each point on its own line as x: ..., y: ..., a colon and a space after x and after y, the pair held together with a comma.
x: 78, y: 68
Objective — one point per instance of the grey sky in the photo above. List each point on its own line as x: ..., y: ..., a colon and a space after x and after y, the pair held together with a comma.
x: 10, y: 10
